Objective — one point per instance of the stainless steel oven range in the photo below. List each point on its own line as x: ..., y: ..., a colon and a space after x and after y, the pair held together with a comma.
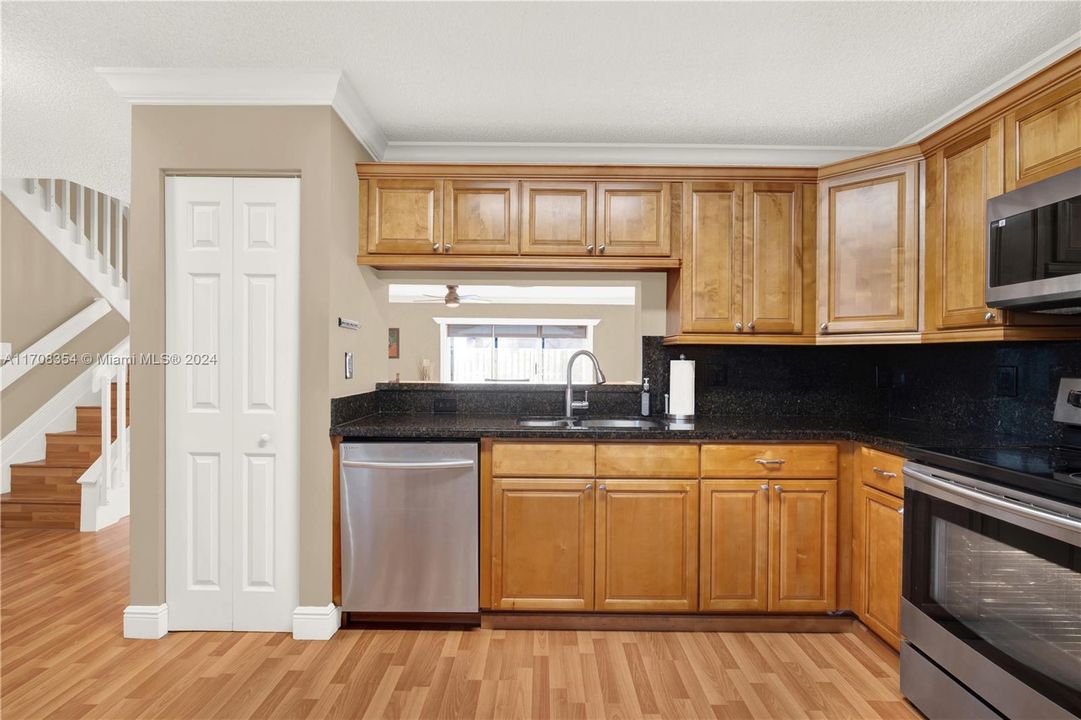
x: 991, y: 590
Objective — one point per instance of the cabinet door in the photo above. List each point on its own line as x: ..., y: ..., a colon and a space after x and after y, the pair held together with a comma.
x: 481, y: 217
x: 558, y: 218
x: 879, y: 553
x: 773, y: 258
x: 734, y: 545
x: 647, y: 545
x: 405, y: 216
x: 960, y: 179
x: 1044, y: 136
x: 542, y: 544
x: 868, y: 272
x: 633, y: 218
x: 712, y: 274
x: 803, y: 546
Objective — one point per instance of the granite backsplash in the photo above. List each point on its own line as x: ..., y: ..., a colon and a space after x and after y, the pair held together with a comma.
x: 993, y: 388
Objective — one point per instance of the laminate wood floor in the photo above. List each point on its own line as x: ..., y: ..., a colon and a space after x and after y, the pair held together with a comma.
x: 62, y: 655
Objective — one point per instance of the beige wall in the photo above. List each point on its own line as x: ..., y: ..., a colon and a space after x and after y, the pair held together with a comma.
x: 308, y: 141
x: 39, y: 290
x: 616, y: 339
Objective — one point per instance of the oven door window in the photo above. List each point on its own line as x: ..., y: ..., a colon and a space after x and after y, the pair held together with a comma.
x: 1011, y: 594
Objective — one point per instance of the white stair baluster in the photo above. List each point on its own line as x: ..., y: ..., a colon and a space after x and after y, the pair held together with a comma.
x: 31, y: 186
x: 122, y: 424
x: 50, y: 194
x: 80, y: 213
x: 106, y: 439
x: 92, y: 246
x: 118, y: 272
x: 64, y: 203
x: 107, y: 240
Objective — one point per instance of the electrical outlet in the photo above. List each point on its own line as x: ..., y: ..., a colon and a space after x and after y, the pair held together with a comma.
x: 883, y: 378
x: 715, y: 375
x: 1006, y: 381
x: 445, y: 406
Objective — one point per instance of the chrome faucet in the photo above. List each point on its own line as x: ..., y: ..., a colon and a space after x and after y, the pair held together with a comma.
x: 598, y: 378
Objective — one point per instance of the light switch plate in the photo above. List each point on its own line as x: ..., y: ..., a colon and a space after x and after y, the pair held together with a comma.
x: 349, y: 366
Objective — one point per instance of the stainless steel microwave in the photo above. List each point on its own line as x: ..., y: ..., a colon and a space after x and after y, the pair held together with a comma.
x: 1034, y: 246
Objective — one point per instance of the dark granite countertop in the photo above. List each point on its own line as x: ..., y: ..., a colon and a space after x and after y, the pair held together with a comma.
x: 889, y: 436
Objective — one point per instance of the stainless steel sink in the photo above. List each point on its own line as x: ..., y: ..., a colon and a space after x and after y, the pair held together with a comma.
x: 621, y: 423
x: 590, y: 423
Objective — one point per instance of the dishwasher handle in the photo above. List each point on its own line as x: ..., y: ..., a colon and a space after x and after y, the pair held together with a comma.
x: 429, y: 465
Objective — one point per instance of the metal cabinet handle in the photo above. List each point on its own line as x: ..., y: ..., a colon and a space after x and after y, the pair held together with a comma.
x: 989, y: 316
x: 589, y: 486
x: 739, y: 327
x: 750, y: 326
x: 765, y: 486
x: 589, y: 249
x: 824, y: 327
x: 900, y: 511
x: 602, y: 487
x: 600, y: 249
x: 769, y: 461
x: 436, y: 247
x: 883, y: 473
x: 447, y: 247
x: 777, y: 488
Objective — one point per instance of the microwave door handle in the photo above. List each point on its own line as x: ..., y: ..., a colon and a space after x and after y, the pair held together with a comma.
x: 430, y: 465
x: 1062, y: 527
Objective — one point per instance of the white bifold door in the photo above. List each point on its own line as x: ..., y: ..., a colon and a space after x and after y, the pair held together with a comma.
x: 231, y: 329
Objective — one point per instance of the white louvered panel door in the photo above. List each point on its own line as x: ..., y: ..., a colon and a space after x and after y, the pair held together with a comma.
x: 232, y: 252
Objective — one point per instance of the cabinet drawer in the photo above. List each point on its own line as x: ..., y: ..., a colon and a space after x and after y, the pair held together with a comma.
x: 782, y: 461
x: 542, y: 459
x: 631, y: 460
x: 882, y: 470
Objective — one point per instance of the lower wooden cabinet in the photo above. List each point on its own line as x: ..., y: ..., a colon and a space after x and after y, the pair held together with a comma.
x: 734, y: 545
x: 647, y: 545
x: 878, y: 547
x: 542, y: 549
x: 803, y: 546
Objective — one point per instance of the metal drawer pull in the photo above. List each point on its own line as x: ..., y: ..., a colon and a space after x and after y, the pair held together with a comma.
x: 589, y: 486
x: 765, y: 486
x: 900, y: 511
x: 435, y: 465
x: 884, y: 473
x: 769, y: 461
x: 436, y: 247
x: 777, y: 488
x: 602, y: 487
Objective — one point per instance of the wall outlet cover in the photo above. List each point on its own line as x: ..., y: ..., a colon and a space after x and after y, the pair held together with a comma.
x: 445, y: 406
x: 1006, y: 381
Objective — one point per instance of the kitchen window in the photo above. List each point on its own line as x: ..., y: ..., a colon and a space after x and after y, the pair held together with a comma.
x: 504, y: 350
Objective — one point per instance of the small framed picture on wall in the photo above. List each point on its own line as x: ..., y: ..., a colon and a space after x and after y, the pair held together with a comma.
x: 393, y: 339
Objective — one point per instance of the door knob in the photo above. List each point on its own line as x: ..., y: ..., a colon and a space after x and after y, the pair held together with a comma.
x: 263, y: 440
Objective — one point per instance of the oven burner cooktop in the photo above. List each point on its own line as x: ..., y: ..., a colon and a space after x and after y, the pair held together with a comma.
x: 1051, y: 471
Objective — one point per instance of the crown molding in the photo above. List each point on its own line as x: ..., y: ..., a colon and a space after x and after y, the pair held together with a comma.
x: 996, y: 88
x: 230, y: 86
x: 621, y: 153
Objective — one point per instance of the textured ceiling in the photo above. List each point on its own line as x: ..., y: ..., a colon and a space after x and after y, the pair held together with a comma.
x: 808, y: 74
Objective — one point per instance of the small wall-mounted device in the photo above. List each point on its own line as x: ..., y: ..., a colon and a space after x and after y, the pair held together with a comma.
x: 348, y: 366
x: 348, y: 324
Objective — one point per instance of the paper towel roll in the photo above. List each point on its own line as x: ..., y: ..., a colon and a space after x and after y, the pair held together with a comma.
x: 681, y: 388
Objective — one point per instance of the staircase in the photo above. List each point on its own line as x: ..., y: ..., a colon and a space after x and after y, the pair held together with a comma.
x: 87, y: 227
x: 47, y: 493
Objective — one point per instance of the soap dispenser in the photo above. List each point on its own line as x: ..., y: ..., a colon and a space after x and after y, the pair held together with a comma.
x: 645, y: 397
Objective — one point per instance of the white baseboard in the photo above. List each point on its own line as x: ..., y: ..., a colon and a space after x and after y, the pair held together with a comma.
x: 146, y: 622
x: 316, y: 623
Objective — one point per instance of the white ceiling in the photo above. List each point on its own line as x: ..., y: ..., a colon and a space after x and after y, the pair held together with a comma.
x: 851, y: 75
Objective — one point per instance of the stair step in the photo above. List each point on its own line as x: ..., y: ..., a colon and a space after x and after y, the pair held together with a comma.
x: 88, y: 419
x: 41, y: 482
x: 53, y: 515
x: 72, y: 449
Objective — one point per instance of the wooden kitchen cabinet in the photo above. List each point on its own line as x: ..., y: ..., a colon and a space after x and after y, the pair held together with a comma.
x: 558, y: 217
x: 711, y: 283
x: 868, y: 250
x: 633, y: 218
x: 803, y: 546
x: 542, y: 544
x: 960, y: 178
x: 773, y: 258
x: 404, y: 215
x: 878, y: 549
x: 734, y: 545
x: 647, y: 545
x: 1043, y: 136
x: 481, y: 217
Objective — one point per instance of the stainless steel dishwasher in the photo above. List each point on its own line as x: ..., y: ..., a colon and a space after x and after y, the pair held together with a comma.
x: 410, y: 528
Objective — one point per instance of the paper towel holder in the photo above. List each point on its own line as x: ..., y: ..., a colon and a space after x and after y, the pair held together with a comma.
x: 675, y: 418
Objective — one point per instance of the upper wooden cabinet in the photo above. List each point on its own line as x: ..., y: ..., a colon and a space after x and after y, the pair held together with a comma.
x: 868, y: 250
x: 633, y: 218
x: 960, y: 178
x: 772, y: 258
x: 558, y: 218
x: 481, y: 217
x: 1044, y: 136
x: 404, y: 215
x: 712, y: 278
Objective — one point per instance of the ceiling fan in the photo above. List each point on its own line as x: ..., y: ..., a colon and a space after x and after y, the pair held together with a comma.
x: 452, y: 299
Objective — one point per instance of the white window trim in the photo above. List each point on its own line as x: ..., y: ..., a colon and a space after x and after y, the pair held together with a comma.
x: 444, y: 366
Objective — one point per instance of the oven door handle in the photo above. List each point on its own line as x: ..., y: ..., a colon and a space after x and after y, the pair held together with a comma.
x: 1062, y: 527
